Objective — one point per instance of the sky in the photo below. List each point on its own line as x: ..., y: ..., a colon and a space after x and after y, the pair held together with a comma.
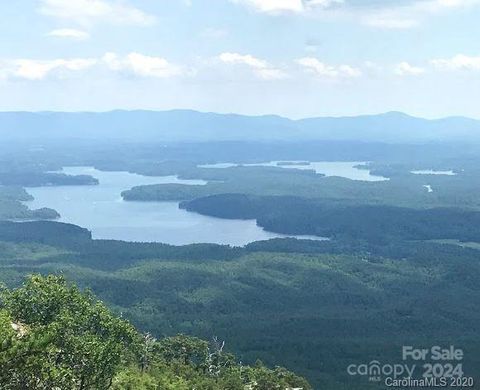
x: 295, y: 58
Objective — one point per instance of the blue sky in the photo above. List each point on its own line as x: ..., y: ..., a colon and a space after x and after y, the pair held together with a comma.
x: 295, y: 58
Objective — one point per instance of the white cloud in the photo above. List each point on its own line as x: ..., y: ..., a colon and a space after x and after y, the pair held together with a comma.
x: 274, y: 6
x: 134, y: 63
x: 323, y: 70
x: 458, y: 62
x: 247, y: 59
x: 323, y: 3
x: 289, y: 6
x: 261, y: 68
x: 405, y: 69
x: 87, y: 12
x: 410, y: 15
x: 398, y: 15
x: 39, y: 69
x: 142, y: 65
x: 70, y: 33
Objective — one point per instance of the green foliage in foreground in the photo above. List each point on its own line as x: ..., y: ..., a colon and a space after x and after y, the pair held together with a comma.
x: 53, y: 336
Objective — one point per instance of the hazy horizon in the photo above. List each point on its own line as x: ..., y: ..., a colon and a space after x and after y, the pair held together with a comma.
x: 267, y: 114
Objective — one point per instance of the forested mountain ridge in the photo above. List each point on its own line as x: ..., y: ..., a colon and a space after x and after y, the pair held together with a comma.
x: 188, y: 125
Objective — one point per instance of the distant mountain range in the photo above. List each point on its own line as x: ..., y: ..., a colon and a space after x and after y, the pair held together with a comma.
x: 187, y: 125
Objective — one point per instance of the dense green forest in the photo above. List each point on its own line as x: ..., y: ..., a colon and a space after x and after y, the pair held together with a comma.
x: 401, y: 265
x: 38, y: 179
x: 292, y: 215
x: 55, y: 336
x: 318, y: 306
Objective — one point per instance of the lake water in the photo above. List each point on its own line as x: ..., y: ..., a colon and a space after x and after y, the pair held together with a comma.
x: 432, y: 172
x: 344, y: 169
x: 102, y: 210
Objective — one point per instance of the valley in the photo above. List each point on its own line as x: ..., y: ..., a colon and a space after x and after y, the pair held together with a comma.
x: 238, y: 249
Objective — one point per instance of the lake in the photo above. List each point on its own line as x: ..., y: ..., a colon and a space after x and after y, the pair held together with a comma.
x: 433, y: 172
x: 102, y: 210
x: 346, y: 169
